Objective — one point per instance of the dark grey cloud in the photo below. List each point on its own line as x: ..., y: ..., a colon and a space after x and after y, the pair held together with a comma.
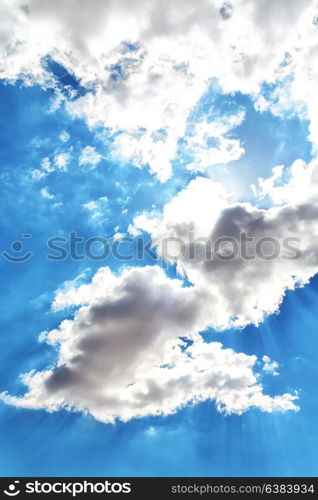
x: 244, y: 257
x: 122, y: 355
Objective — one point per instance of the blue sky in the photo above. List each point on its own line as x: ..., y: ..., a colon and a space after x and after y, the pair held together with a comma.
x: 195, y: 441
x: 82, y: 154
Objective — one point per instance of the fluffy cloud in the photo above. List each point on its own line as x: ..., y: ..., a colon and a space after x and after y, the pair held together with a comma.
x: 144, y: 65
x: 295, y: 92
x: 121, y: 356
x: 227, y: 148
x: 89, y: 156
x: 37, y: 175
x: 294, y: 185
x: 64, y: 136
x: 270, y: 366
x: 46, y: 194
x: 244, y: 257
x: 61, y: 161
x: 97, y: 208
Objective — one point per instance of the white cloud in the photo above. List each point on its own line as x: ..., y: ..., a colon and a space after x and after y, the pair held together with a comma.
x: 227, y: 148
x: 296, y: 89
x: 97, y: 207
x: 91, y: 205
x: 146, y: 64
x: 121, y: 356
x: 61, y: 160
x: 64, y: 136
x: 151, y: 431
x: 37, y: 174
x: 118, y: 236
x: 46, y: 165
x: 142, y: 149
x: 250, y: 285
x: 89, y: 156
x: 133, y: 230
x: 46, y: 194
x: 294, y: 185
x: 142, y: 222
x: 270, y: 366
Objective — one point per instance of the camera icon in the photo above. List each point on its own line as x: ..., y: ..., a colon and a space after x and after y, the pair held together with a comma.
x: 12, y: 491
x: 17, y: 248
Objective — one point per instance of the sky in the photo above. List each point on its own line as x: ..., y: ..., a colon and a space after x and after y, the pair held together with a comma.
x: 139, y: 146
